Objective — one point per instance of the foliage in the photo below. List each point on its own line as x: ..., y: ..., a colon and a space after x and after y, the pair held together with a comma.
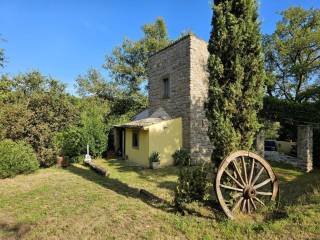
x: 271, y: 129
x: 154, y: 157
x: 182, y: 157
x: 94, y: 128
x: 291, y: 112
x: 128, y: 62
x: 236, y: 80
x: 121, y: 104
x: 1, y: 56
x: 71, y: 142
x: 34, y: 109
x: 91, y: 130
x: 192, y: 185
x: 16, y: 158
x: 292, y: 55
x: 94, y: 84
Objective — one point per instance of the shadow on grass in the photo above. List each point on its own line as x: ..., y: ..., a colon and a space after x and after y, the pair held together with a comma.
x: 14, y: 230
x: 147, y: 174
x: 125, y: 190
x: 296, y: 188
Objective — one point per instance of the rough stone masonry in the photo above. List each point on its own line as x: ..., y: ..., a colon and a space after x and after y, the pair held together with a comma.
x: 184, y: 64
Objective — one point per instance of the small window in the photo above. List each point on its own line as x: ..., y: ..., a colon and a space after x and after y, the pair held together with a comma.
x: 166, y: 88
x: 135, y: 139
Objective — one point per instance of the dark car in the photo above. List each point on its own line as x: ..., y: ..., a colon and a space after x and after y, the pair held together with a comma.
x: 270, y: 145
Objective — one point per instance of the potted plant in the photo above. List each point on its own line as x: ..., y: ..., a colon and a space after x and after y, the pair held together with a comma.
x: 155, y: 160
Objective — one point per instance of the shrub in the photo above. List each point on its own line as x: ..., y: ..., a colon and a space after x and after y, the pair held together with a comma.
x: 154, y: 157
x: 193, y: 185
x: 71, y: 142
x: 182, y: 158
x: 16, y: 158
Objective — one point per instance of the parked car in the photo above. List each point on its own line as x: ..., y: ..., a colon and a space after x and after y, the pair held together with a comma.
x: 270, y: 145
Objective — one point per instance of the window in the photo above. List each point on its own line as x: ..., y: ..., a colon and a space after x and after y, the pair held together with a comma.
x: 135, y: 139
x: 166, y: 88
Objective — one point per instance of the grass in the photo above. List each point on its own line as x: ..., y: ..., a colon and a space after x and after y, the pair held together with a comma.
x: 76, y: 203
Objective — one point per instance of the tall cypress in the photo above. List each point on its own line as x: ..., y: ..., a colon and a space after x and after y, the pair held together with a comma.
x: 236, y: 81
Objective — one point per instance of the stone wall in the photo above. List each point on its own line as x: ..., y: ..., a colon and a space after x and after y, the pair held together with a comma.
x: 305, y: 148
x: 173, y: 63
x: 184, y: 63
x: 201, y: 148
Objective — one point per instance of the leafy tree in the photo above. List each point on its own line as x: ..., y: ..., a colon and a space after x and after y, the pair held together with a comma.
x: 293, y: 55
x: 127, y: 64
x: 94, y: 84
x: 236, y: 81
x: 1, y: 56
x: 37, y: 108
x: 120, y: 101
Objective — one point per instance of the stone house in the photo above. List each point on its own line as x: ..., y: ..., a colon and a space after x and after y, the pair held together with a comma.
x: 178, y: 85
x: 178, y: 89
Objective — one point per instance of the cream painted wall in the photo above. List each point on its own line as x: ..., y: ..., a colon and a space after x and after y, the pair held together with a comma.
x: 165, y: 138
x: 139, y: 155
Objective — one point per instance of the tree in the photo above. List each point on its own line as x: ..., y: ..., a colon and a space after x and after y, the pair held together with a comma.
x: 36, y: 108
x: 293, y: 55
x: 1, y: 57
x: 128, y: 62
x: 94, y: 84
x: 236, y: 80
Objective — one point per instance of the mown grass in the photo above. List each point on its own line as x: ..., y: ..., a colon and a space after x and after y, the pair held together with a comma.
x: 76, y: 203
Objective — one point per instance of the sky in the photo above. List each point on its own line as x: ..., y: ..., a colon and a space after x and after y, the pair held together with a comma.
x: 64, y: 38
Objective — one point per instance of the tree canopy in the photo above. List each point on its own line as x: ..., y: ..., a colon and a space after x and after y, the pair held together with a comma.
x: 293, y: 56
x: 236, y: 81
x: 33, y: 108
x: 128, y: 62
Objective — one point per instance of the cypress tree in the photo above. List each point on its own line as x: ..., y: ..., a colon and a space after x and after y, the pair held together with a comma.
x: 236, y: 80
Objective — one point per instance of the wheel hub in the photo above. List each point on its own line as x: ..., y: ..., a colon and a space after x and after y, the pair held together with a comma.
x: 249, y: 192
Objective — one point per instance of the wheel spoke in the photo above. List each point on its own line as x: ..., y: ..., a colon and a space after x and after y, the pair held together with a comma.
x: 253, y: 204
x: 236, y: 181
x: 252, y: 170
x: 243, y: 206
x: 238, y: 172
x: 245, y: 182
x: 257, y: 177
x: 237, y: 204
x: 259, y: 201
x: 262, y: 183
x: 265, y: 193
x: 231, y: 188
x: 244, y: 169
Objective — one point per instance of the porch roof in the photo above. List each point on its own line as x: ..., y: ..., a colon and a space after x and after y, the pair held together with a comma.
x: 158, y: 116
x: 142, y: 123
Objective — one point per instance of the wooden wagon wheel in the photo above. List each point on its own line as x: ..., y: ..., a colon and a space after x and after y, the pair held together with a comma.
x: 245, y: 182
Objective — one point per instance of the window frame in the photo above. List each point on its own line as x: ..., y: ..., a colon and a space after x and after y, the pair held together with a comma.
x: 135, y: 133
x: 166, y: 87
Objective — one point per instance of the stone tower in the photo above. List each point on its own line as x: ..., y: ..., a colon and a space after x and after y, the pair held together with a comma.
x: 178, y: 82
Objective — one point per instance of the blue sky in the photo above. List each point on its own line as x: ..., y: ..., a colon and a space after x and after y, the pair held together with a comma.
x: 64, y: 38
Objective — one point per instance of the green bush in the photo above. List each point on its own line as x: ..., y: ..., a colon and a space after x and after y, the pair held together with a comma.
x: 154, y: 157
x: 71, y: 143
x: 182, y: 158
x: 193, y: 185
x: 16, y: 158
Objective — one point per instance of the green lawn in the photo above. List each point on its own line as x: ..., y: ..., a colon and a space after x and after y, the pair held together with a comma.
x: 75, y: 203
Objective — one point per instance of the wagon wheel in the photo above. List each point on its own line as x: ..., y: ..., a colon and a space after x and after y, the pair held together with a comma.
x: 245, y: 182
